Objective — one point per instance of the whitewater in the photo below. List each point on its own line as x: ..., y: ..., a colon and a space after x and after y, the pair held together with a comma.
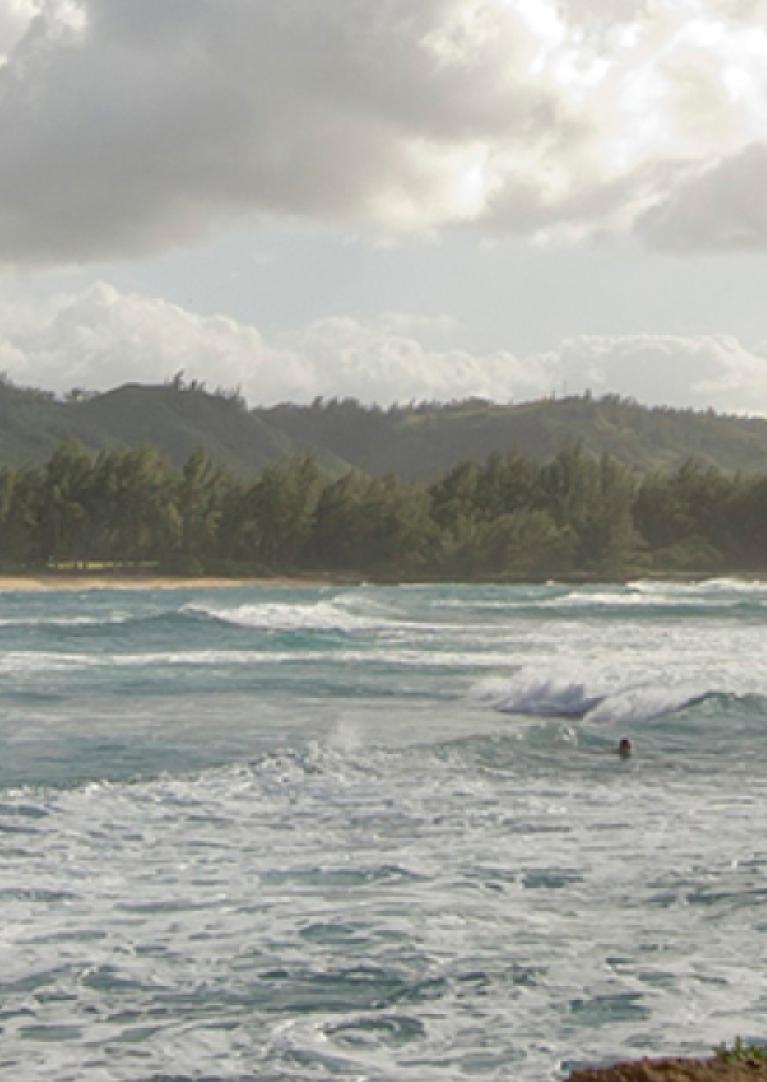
x: 380, y: 833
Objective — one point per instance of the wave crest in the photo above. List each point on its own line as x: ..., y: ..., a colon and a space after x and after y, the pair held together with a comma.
x: 284, y: 616
x: 548, y: 697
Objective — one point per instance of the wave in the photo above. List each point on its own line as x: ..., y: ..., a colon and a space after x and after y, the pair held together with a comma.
x: 272, y: 616
x: 644, y: 595
x: 543, y: 697
x: 283, y: 616
x: 337, y: 615
x: 363, y: 610
x: 182, y: 782
x: 65, y: 621
x: 705, y: 586
x: 627, y: 598
x: 549, y: 698
x: 648, y: 702
x: 19, y: 662
x: 118, y: 620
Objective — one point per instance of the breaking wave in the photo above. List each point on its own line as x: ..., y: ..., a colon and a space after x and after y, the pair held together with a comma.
x: 551, y: 698
x: 323, y: 615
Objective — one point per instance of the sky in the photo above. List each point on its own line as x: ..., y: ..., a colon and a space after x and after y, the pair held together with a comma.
x: 388, y: 199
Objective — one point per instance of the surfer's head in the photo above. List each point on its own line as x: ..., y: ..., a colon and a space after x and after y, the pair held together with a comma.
x: 624, y: 747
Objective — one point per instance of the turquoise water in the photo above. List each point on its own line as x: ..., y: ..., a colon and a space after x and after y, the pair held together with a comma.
x: 379, y: 833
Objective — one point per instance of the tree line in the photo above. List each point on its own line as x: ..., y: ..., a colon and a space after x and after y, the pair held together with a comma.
x: 508, y: 517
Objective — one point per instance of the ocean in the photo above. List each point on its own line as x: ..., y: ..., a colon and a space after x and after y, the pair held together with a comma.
x: 380, y: 833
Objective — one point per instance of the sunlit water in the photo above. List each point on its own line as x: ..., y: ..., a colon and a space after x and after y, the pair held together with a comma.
x: 380, y: 833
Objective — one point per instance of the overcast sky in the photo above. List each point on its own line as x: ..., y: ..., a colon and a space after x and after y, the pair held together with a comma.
x: 391, y: 199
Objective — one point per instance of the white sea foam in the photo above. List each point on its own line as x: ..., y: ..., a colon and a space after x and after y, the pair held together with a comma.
x: 509, y: 601
x: 64, y: 621
x: 383, y: 910
x: 547, y: 697
x: 37, y: 662
x: 750, y: 587
x: 647, y: 701
x: 282, y: 616
x: 21, y: 661
x: 322, y: 615
x: 605, y: 689
x: 640, y: 598
x: 367, y: 886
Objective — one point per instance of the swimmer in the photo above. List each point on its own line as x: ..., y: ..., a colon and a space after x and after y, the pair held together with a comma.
x: 624, y: 747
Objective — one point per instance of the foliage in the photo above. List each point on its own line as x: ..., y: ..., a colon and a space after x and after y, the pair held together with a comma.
x: 417, y: 442
x: 740, y: 1052
x: 426, y: 440
x: 507, y: 518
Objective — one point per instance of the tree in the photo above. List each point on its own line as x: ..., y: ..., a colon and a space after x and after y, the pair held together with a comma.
x: 21, y: 502
x: 373, y: 523
x: 455, y: 498
x: 594, y: 498
x: 527, y: 542
x: 195, y: 499
x: 505, y: 485
x: 280, y: 510
x: 63, y: 521
x: 138, y: 490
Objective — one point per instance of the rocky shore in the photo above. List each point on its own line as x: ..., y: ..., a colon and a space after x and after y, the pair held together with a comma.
x: 715, y: 1069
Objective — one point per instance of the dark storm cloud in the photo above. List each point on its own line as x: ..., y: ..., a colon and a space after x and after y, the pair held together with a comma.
x: 138, y: 129
x: 127, y: 128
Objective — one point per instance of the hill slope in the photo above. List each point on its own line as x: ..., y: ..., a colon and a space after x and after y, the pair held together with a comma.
x: 416, y: 442
x: 422, y: 442
x: 175, y: 419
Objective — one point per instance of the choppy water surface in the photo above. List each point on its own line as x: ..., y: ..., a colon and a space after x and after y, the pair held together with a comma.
x: 379, y: 833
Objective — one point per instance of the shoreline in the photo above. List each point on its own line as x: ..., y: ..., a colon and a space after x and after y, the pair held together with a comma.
x: 36, y: 582
x: 65, y: 581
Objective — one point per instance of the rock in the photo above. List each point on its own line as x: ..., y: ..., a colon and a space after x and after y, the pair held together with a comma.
x: 674, y: 1070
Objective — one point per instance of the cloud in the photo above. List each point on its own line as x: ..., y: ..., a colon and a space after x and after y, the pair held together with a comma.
x: 15, y: 16
x: 376, y: 362
x: 146, y: 122
x: 100, y: 337
x: 128, y: 128
x: 698, y: 371
x: 721, y: 207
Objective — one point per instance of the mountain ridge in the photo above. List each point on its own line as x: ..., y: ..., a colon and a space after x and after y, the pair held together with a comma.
x: 416, y: 442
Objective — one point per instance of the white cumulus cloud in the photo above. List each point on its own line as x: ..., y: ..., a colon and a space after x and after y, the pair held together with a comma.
x: 100, y: 337
x: 697, y: 371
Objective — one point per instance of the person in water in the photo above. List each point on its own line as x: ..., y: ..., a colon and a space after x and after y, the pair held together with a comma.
x: 624, y: 747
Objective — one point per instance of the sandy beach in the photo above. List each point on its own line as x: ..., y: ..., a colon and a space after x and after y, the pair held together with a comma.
x: 85, y: 581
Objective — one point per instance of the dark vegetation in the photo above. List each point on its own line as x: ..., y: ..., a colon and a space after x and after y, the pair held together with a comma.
x: 417, y: 442
x: 741, y: 1051
x: 468, y: 490
x: 507, y: 518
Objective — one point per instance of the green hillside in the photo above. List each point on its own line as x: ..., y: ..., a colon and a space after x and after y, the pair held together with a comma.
x: 178, y: 420
x: 422, y: 442
x: 175, y: 418
x: 417, y: 442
